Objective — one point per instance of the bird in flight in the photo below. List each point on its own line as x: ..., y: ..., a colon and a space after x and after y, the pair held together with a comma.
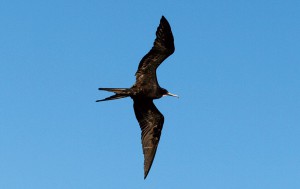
x: 146, y: 89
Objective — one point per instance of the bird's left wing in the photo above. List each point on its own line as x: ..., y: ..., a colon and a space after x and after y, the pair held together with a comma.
x: 151, y: 122
x: 162, y: 48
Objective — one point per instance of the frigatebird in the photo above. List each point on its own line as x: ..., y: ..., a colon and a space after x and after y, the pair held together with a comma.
x: 146, y: 89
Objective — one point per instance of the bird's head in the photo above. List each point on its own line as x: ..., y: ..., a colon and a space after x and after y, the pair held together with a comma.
x: 167, y: 93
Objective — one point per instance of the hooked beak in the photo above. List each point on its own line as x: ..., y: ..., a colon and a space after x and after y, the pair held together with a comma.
x: 170, y: 94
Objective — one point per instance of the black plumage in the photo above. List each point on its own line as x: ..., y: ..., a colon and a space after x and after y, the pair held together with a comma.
x: 145, y: 89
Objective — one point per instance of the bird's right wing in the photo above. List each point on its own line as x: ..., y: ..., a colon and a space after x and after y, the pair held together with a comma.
x: 162, y: 48
x: 151, y: 122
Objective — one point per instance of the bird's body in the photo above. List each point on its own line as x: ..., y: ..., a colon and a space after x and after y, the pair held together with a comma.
x: 146, y: 89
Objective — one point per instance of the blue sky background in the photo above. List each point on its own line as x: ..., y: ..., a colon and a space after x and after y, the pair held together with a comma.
x: 236, y: 68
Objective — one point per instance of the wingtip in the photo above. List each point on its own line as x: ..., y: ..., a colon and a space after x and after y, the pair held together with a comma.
x: 146, y: 174
x: 163, y: 18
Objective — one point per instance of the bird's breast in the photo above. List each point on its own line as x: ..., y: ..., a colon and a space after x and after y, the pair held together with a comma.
x: 146, y: 92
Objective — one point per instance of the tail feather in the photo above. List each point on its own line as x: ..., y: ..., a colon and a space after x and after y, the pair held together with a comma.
x: 116, y: 90
x: 119, y: 93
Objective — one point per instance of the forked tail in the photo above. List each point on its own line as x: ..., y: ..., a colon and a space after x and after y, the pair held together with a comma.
x: 119, y: 93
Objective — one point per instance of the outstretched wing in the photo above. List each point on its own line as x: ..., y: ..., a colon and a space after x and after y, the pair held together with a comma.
x: 162, y: 48
x: 151, y: 122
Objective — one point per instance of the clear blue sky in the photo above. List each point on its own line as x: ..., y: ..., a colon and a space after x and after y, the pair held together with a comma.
x: 236, y: 68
